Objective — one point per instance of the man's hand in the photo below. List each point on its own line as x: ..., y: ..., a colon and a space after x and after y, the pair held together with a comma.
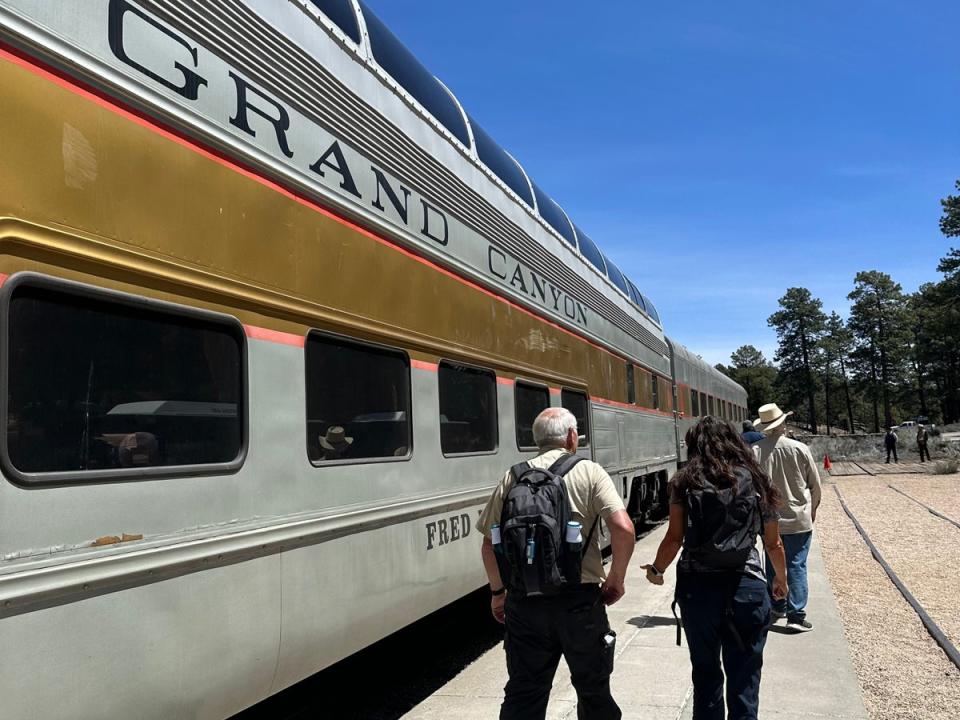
x: 496, y: 607
x: 612, y: 589
x: 652, y: 577
x: 780, y: 588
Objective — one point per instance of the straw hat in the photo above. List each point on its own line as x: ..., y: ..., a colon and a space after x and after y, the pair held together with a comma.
x: 335, y: 439
x: 771, y: 416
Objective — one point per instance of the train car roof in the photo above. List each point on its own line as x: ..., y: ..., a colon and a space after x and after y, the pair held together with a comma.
x: 356, y: 21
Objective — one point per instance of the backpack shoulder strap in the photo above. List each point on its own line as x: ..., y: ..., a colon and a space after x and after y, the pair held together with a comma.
x: 564, y: 464
x: 519, y: 469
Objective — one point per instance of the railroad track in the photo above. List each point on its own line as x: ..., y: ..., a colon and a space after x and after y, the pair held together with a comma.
x: 926, y: 507
x: 935, y: 632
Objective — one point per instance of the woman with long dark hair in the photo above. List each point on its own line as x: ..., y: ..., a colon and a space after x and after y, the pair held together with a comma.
x: 719, y: 503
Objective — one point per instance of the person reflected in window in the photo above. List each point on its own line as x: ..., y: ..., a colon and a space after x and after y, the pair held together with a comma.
x: 335, y: 445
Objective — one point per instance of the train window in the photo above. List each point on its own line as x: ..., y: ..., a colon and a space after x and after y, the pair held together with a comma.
x: 636, y: 296
x: 100, y: 384
x: 616, y: 277
x: 358, y: 400
x: 501, y: 163
x: 341, y: 14
x: 651, y: 309
x: 530, y: 401
x: 694, y: 403
x: 394, y: 57
x: 576, y: 402
x: 711, y: 405
x: 666, y: 395
x: 655, y: 392
x: 631, y: 387
x: 554, y: 215
x: 703, y: 404
x: 468, y: 409
x: 590, y: 251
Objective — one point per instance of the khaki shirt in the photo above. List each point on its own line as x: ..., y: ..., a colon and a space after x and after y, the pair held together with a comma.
x: 591, y: 494
x: 794, y: 472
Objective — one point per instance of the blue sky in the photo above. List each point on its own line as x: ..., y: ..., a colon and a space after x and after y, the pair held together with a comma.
x: 720, y: 153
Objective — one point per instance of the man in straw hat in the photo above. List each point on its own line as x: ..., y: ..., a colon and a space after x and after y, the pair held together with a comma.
x: 335, y: 443
x: 794, y: 471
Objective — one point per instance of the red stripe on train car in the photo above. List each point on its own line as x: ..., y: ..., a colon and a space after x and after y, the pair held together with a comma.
x: 274, y: 336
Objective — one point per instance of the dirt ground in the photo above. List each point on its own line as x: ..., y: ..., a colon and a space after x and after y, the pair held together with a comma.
x: 903, y: 673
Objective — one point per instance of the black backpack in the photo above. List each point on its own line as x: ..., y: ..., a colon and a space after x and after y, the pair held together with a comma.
x: 534, y: 557
x: 722, y: 529
x: 722, y: 524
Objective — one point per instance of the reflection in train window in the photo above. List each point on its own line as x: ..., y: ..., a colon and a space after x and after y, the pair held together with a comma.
x: 358, y: 400
x: 590, y: 251
x: 99, y: 385
x: 711, y: 405
x: 694, y: 403
x: 576, y: 402
x: 501, y: 163
x: 468, y: 409
x: 655, y: 392
x: 530, y: 401
x: 631, y: 387
x: 342, y: 15
x: 703, y: 404
x: 554, y: 215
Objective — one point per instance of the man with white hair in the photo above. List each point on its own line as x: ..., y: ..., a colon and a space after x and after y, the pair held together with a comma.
x: 572, y: 623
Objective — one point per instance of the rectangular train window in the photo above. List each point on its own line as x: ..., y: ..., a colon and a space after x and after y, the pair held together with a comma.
x: 631, y: 388
x: 468, y: 409
x: 576, y: 402
x: 711, y: 405
x: 654, y: 392
x: 694, y: 403
x: 703, y: 404
x: 105, y: 385
x: 358, y: 400
x: 529, y: 401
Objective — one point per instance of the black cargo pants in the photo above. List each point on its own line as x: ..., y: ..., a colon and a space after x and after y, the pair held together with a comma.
x: 539, y: 631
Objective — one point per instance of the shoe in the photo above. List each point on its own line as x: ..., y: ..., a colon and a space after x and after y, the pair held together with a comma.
x: 777, y: 615
x: 799, y: 626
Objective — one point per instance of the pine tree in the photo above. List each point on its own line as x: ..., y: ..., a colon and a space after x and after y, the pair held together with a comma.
x: 878, y: 321
x: 754, y: 372
x: 799, y: 324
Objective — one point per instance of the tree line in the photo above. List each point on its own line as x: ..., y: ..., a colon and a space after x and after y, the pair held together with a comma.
x: 895, y: 357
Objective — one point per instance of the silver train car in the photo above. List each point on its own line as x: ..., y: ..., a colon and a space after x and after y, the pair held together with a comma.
x: 276, y: 314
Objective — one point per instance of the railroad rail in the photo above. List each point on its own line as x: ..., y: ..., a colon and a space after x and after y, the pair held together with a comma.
x: 926, y: 507
x: 935, y: 632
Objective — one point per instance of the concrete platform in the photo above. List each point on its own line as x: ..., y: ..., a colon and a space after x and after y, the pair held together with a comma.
x: 805, y: 677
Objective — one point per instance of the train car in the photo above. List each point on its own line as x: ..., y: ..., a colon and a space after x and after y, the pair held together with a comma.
x: 276, y: 314
x: 703, y: 390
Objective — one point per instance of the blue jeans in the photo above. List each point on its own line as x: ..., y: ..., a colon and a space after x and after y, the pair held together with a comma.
x: 795, y: 547
x: 710, y: 635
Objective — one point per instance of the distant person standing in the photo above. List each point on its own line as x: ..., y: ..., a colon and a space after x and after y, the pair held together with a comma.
x: 922, y: 442
x: 749, y: 434
x: 794, y: 473
x: 890, y: 442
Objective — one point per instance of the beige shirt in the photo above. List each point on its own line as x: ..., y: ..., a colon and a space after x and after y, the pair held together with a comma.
x: 794, y: 472
x: 591, y: 493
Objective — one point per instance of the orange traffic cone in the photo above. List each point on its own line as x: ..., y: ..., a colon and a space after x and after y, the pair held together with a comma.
x: 826, y: 462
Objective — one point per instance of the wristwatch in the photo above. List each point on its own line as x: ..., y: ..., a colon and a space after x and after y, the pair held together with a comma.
x: 653, y: 569
x: 501, y: 591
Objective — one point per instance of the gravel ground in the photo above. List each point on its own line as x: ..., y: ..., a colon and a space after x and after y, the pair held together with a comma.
x: 903, y: 673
